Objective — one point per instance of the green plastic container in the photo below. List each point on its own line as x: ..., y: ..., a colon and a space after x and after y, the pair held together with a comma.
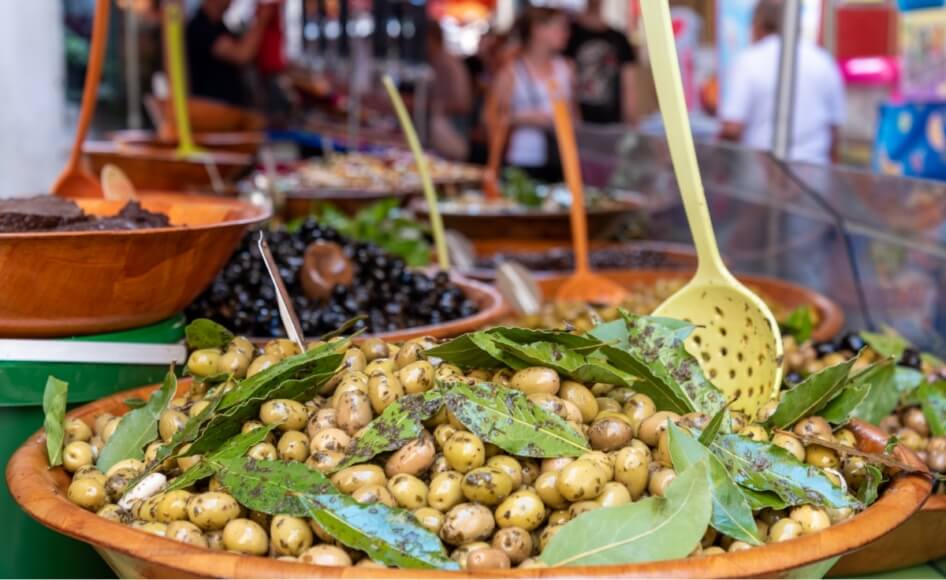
x: 29, y: 549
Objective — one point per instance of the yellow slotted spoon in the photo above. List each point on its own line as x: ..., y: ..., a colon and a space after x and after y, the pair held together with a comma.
x: 737, y: 340
x: 177, y: 79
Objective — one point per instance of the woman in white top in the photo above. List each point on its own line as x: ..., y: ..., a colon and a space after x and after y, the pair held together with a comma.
x: 521, y: 98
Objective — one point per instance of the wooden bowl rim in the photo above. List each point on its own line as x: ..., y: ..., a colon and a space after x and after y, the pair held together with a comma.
x: 832, y: 316
x: 164, y: 155
x: 132, y: 137
x: 34, y: 487
x: 253, y: 214
x: 629, y: 204
x: 936, y: 503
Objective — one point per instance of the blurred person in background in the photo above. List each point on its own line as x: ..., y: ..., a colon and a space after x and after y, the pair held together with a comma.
x: 271, y: 64
x: 604, y: 63
x: 747, y: 109
x: 451, y: 98
x: 218, y: 57
x: 520, y: 101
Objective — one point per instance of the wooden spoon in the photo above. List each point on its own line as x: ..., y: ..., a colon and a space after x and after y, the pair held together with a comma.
x: 74, y: 181
x: 174, y: 54
x: 324, y: 266
x: 582, y: 285
x: 737, y: 340
x: 116, y: 185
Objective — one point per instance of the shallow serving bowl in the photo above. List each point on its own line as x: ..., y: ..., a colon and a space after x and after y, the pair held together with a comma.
x: 785, y: 295
x: 74, y: 283
x: 41, y: 492
x: 160, y: 168
x: 245, y: 142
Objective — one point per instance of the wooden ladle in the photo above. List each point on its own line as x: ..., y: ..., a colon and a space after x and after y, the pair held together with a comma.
x: 582, y: 285
x: 323, y: 266
x: 736, y: 339
x: 74, y: 181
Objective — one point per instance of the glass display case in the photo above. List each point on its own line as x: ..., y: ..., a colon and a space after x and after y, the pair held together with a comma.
x: 874, y: 244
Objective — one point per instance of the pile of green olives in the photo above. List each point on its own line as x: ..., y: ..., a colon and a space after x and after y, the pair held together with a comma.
x: 491, y: 509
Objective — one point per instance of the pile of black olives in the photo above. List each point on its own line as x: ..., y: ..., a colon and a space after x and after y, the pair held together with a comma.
x: 384, y: 290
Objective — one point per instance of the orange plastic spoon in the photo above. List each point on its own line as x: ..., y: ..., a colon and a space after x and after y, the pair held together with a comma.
x: 583, y: 285
x: 74, y: 181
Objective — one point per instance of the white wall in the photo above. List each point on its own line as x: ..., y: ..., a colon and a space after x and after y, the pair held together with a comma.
x: 33, y: 132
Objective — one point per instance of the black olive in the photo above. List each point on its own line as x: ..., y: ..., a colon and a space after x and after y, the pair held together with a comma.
x: 911, y: 358
x: 852, y: 342
x: 825, y: 348
x: 793, y: 378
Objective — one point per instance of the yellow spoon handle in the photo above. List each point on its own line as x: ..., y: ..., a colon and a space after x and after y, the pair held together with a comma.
x: 663, y: 59
x: 174, y: 45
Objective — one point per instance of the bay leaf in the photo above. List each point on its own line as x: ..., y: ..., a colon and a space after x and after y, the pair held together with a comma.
x: 840, y: 410
x: 235, y: 448
x: 652, y: 529
x: 932, y: 360
x: 932, y: 398
x: 888, y: 344
x: 907, y: 380
x: 765, y: 467
x: 187, y: 434
x: 716, y: 424
x: 138, y: 427
x: 868, y: 491
x: 732, y: 514
x: 810, y: 395
x: 759, y: 500
x: 388, y: 535
x: 507, y: 419
x: 882, y: 397
x: 478, y: 350
x: 400, y: 422
x: 55, y: 397
x: 205, y: 333
x: 315, y: 361
x: 799, y: 323
x: 134, y: 402
x: 565, y: 361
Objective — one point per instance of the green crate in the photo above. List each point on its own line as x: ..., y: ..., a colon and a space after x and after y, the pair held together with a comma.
x: 29, y: 549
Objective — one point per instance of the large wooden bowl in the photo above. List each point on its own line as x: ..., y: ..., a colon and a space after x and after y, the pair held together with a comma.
x: 206, y: 116
x: 531, y: 224
x: 921, y: 539
x: 676, y: 255
x: 158, y: 168
x: 41, y: 492
x: 243, y: 142
x: 784, y: 294
x: 76, y: 283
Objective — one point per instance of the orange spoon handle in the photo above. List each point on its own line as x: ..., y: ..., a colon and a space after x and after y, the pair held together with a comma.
x: 494, y: 162
x: 568, y: 151
x: 93, y: 73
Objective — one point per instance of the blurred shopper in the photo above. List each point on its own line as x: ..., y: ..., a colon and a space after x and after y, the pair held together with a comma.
x: 217, y: 57
x: 521, y: 97
x: 748, y: 105
x: 451, y: 101
x: 271, y: 64
x: 604, y: 68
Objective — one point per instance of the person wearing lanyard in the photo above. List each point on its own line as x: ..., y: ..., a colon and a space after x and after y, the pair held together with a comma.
x: 748, y: 105
x: 522, y: 94
x: 216, y: 56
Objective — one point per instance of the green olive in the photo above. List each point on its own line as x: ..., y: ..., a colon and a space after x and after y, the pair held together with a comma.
x: 171, y: 422
x: 110, y: 428
x: 536, y: 380
x: 383, y: 389
x: 461, y: 554
x: 374, y: 348
x: 546, y: 536
x: 559, y: 517
x: 660, y: 481
x: 214, y: 539
x: 212, y: 510
x: 89, y: 471
x: 323, y: 419
x: 153, y: 528
x: 112, y: 513
x: 76, y: 455
x: 579, y: 395
x: 515, y: 542
x: 286, y: 414
x: 442, y: 433
x: 631, y: 469
x: 324, y: 461
x: 77, y: 430
x: 353, y: 411
x: 739, y: 546
x: 135, y: 464
x: 581, y: 480
x: 197, y: 408
x: 546, y: 488
x: 467, y: 522
x: 487, y: 559
x: 186, y: 533
x: 813, y: 427
x: 380, y: 365
x: 351, y: 478
x: 411, y: 351
x: 811, y: 518
x: 325, y: 555
x: 821, y: 457
x: 608, y: 404
x: 242, y: 345
x: 416, y: 377
x: 88, y: 493
x: 639, y: 408
x: 651, y: 428
x: 260, y: 364
x: 580, y: 507
x: 370, y: 494
x: 203, y: 363
x: 614, y: 494
x: 530, y: 470
x: 464, y: 451
x: 609, y: 433
x: 791, y: 444
x: 486, y: 485
x: 100, y: 421
x: 233, y: 363
x: 508, y: 465
x: 445, y: 490
x: 755, y: 432
x: 555, y: 464
x: 281, y: 347
x: 785, y: 529
x: 263, y: 452
x: 523, y: 509
x: 911, y: 439
x: 354, y: 359
x: 414, y: 458
x: 329, y: 439
x: 409, y: 491
x: 430, y: 518
x: 293, y: 446
x: 172, y: 506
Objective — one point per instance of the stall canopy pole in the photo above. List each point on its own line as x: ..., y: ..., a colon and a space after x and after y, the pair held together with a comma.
x: 132, y: 70
x: 785, y: 89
